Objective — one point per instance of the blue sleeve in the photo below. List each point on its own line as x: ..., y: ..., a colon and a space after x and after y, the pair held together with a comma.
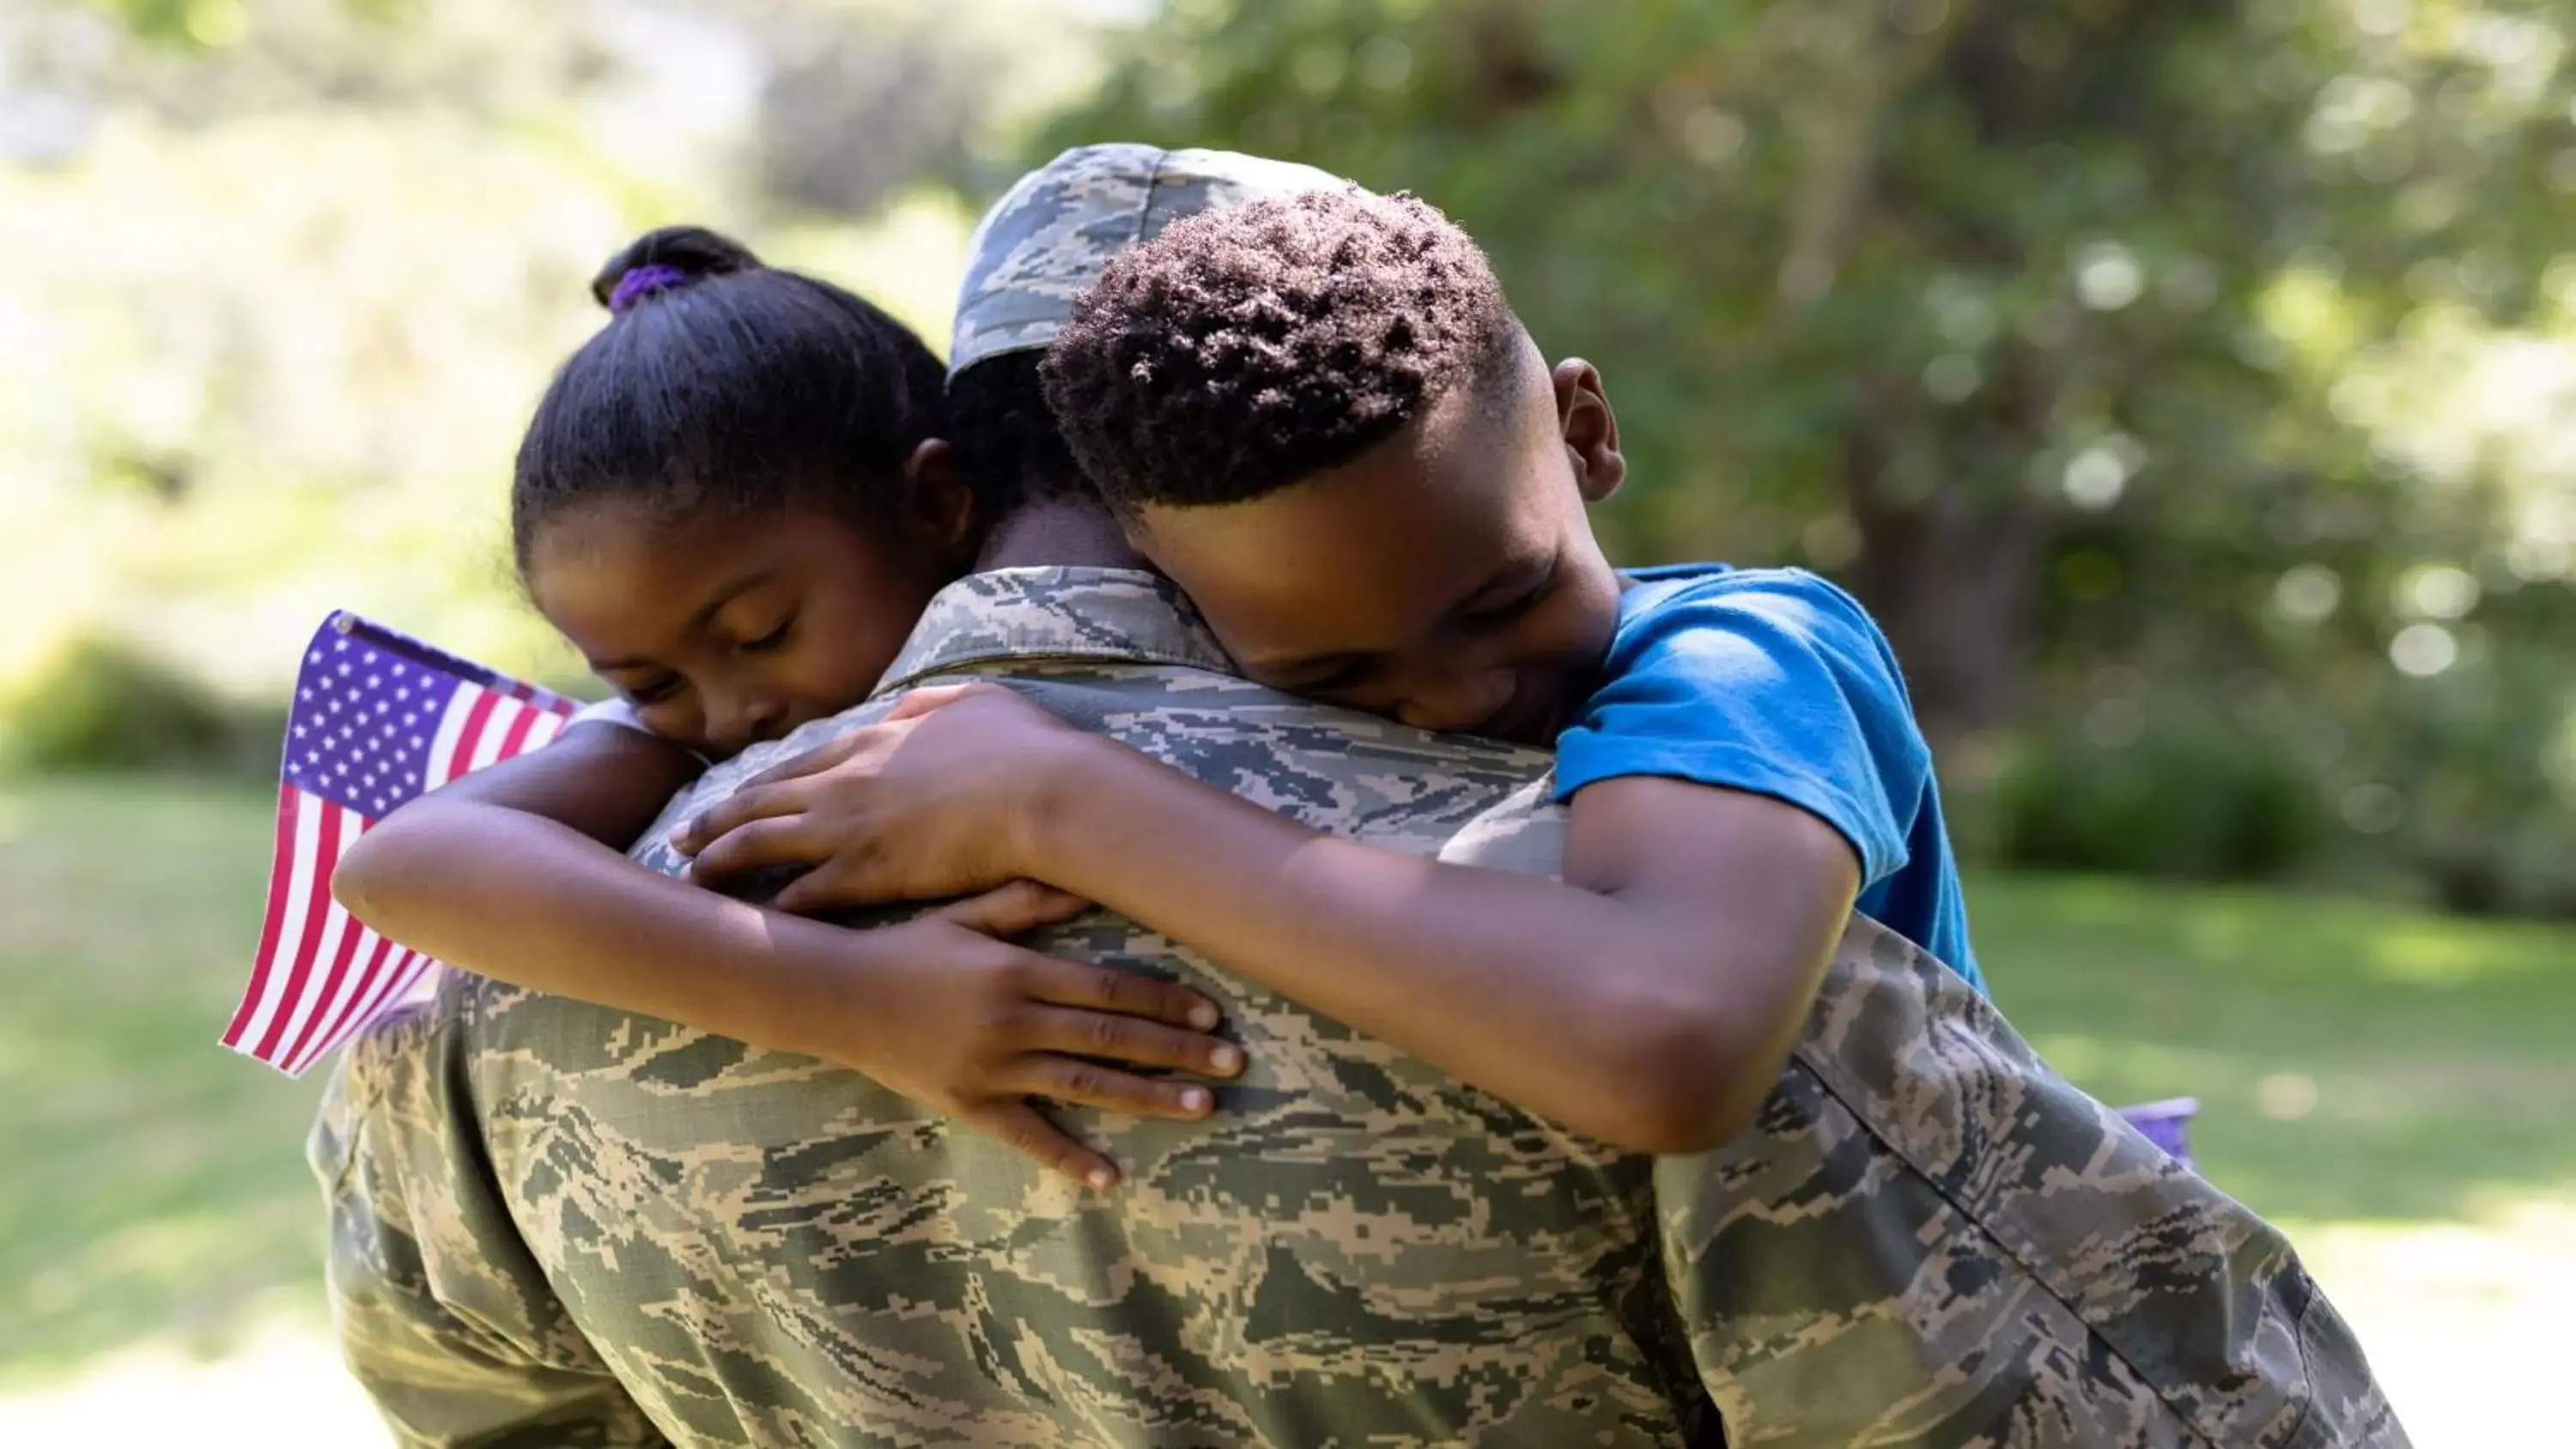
x: 1769, y: 681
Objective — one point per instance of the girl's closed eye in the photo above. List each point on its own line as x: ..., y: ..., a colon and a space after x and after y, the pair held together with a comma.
x: 772, y: 640
x: 654, y: 691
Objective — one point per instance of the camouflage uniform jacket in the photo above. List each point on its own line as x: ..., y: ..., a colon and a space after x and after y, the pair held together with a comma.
x: 555, y: 1224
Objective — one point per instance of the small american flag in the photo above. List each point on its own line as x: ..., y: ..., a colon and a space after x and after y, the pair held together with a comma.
x: 379, y: 717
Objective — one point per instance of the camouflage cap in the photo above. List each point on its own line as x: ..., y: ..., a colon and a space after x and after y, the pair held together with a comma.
x: 1050, y: 235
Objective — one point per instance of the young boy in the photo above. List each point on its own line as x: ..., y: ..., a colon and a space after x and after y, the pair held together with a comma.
x: 1320, y: 417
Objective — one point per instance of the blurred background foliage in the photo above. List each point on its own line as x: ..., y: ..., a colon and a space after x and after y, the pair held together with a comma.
x: 2189, y: 386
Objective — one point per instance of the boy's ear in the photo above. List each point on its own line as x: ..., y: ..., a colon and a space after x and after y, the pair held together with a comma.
x: 1590, y: 430
x: 940, y: 504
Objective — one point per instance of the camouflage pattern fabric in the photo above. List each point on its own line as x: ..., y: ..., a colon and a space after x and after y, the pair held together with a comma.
x: 1049, y: 236
x: 557, y: 1224
x: 2010, y: 1261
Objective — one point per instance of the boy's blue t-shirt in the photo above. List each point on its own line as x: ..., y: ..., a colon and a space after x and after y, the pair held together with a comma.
x: 1773, y: 681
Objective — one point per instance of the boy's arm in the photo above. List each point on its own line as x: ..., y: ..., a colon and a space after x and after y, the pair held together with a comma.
x: 1647, y: 1003
x: 1748, y: 763
x: 1650, y: 1000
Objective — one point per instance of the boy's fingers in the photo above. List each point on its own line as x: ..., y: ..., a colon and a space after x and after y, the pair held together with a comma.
x: 1018, y: 1124
x: 918, y: 702
x: 758, y: 845
x: 813, y: 762
x: 1089, y: 1084
x: 837, y: 884
x: 1127, y: 1039
x: 752, y: 802
x: 1015, y: 908
x: 1127, y: 993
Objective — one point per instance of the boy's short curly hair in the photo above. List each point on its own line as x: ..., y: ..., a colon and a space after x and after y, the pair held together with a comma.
x: 1244, y: 350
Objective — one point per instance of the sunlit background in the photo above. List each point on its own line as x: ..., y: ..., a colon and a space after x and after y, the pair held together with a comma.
x: 2189, y: 385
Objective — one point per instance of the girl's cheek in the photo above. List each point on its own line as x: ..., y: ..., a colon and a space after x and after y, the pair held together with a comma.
x: 666, y: 723
x: 835, y: 679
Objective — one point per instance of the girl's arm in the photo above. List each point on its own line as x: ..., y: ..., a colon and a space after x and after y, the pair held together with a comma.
x: 506, y: 873
x: 1650, y: 1000
x: 605, y: 782
x: 515, y: 872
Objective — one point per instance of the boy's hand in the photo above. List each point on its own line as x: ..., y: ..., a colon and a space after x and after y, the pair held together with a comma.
x: 931, y: 802
x: 981, y: 1026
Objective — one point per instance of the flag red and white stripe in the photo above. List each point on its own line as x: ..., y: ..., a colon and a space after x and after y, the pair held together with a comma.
x: 379, y: 718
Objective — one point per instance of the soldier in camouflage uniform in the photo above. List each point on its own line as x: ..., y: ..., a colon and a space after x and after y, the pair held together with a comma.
x: 557, y: 1224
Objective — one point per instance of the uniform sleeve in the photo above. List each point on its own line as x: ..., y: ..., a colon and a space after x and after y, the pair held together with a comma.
x: 443, y: 1315
x: 1772, y: 682
x: 1929, y: 1227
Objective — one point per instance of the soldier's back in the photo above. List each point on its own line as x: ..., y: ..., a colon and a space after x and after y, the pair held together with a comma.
x: 1354, y: 1249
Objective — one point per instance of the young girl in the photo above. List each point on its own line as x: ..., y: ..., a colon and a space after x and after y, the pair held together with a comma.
x: 734, y: 501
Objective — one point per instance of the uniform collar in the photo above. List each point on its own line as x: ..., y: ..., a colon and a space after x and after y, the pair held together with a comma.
x: 1097, y: 615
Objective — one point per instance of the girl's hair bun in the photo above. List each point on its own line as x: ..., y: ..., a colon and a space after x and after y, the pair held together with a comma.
x: 667, y: 258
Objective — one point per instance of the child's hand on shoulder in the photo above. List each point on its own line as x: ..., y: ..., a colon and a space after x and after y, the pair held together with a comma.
x: 957, y: 1018
x: 933, y: 801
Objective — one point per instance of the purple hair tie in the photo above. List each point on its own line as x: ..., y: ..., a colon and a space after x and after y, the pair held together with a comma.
x: 638, y: 283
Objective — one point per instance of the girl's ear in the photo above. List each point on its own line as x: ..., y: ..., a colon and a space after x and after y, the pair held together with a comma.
x: 940, y: 506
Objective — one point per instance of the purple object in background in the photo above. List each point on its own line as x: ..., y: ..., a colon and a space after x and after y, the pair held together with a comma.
x: 2163, y: 1123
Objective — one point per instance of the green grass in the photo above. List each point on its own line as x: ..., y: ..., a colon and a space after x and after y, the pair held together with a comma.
x: 2354, y: 1061
x: 155, y: 1182
x: 2359, y: 1064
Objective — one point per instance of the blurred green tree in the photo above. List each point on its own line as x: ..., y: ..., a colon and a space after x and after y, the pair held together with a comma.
x: 1963, y: 297
x: 2189, y: 386
x: 2091, y: 342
